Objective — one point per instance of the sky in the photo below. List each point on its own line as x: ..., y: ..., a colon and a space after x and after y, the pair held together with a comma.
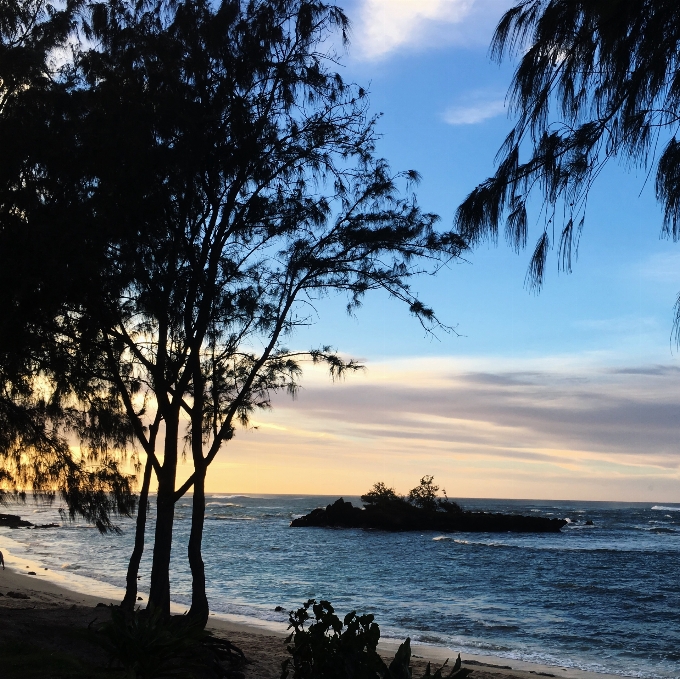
x: 570, y: 394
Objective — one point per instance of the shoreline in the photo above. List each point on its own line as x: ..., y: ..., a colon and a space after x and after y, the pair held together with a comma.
x: 50, y: 590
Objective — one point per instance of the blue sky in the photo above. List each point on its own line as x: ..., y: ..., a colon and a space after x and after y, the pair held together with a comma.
x: 568, y: 394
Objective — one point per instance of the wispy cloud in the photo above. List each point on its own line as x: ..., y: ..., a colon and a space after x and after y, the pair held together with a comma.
x: 474, y: 112
x: 384, y: 26
x: 662, y: 267
x: 545, y: 428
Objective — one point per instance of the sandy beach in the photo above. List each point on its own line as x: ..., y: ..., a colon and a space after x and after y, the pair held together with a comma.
x: 36, y: 610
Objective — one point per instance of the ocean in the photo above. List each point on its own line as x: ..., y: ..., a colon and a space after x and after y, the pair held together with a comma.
x: 604, y: 598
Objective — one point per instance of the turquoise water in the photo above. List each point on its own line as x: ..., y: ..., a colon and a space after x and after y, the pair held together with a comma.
x: 603, y: 598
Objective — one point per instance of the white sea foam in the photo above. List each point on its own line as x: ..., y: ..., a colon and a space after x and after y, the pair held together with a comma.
x: 664, y: 508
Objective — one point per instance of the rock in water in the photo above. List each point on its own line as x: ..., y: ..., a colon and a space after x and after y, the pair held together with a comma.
x: 13, y: 521
x: 399, y: 515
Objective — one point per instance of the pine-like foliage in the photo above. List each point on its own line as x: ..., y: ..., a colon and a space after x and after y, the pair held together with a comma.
x: 597, y: 80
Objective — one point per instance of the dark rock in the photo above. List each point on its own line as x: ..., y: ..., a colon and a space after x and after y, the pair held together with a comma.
x: 18, y: 595
x: 139, y: 598
x: 589, y: 523
x: 100, y: 605
x: 278, y: 609
x: 13, y: 521
x: 400, y: 515
x: 31, y: 573
x: 1, y: 594
x: 48, y: 525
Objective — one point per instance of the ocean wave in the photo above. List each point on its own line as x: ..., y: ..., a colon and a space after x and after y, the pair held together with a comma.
x: 233, y: 497
x: 222, y: 504
x: 665, y: 508
x: 230, y: 517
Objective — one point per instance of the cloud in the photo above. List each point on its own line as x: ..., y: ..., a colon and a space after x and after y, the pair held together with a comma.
x: 555, y: 428
x: 385, y: 26
x: 662, y: 267
x: 471, y: 114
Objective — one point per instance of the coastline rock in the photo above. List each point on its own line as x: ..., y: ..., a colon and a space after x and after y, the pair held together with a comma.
x: 18, y: 595
x: 399, y: 515
x: 13, y: 521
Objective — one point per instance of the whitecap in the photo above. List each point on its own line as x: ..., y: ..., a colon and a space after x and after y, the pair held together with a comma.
x: 664, y: 508
x: 441, y: 538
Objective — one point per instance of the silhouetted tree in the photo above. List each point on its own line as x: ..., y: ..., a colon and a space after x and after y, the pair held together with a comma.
x: 379, y: 494
x: 46, y: 260
x: 424, y: 495
x: 216, y: 178
x: 245, y: 172
x: 597, y: 80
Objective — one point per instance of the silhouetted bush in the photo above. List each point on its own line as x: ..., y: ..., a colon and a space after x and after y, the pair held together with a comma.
x: 332, y: 649
x: 378, y: 494
x: 423, y: 496
x: 148, y: 645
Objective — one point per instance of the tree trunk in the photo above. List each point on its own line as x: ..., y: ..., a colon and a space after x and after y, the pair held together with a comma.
x: 199, y: 601
x: 159, y: 594
x: 130, y: 598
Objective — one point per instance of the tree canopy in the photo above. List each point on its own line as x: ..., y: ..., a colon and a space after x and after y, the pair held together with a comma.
x: 222, y: 178
x: 597, y: 80
x: 49, y: 258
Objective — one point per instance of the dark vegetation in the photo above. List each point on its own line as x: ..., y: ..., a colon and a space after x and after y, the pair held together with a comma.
x: 420, y: 510
x: 596, y: 82
x: 176, y: 192
x: 330, y: 648
x: 147, y: 645
x: 75, y: 642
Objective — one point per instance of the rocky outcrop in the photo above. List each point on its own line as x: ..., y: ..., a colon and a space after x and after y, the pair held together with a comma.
x: 399, y: 515
x: 14, y: 521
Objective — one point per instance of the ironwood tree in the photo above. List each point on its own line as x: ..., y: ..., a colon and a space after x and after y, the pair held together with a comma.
x: 266, y: 195
x: 597, y: 81
x: 46, y: 260
x: 231, y: 175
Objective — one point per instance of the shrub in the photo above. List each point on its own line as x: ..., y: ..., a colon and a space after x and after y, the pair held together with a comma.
x: 424, y: 495
x: 331, y: 649
x: 378, y: 494
x: 149, y: 645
